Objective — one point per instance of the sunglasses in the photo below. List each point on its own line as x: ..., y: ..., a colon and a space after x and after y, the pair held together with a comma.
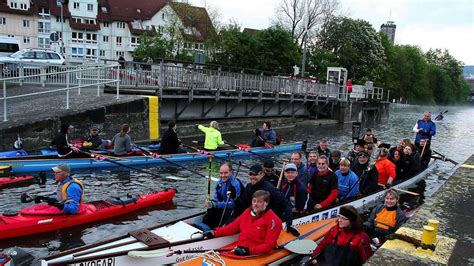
x: 253, y: 174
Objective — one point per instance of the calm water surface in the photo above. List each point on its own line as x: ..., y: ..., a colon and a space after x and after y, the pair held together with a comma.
x: 455, y: 139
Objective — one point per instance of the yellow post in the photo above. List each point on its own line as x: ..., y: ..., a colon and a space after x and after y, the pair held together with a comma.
x: 428, y: 237
x: 434, y: 223
x: 153, y: 117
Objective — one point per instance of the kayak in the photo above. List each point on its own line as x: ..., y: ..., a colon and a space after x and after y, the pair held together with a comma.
x: 37, y: 163
x: 186, y: 234
x: 15, y: 180
x: 43, y: 218
x: 311, y: 231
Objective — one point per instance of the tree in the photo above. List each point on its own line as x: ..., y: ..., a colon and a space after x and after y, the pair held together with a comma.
x: 154, y: 47
x: 304, y: 18
x: 356, y: 46
x: 236, y: 48
x: 276, y: 51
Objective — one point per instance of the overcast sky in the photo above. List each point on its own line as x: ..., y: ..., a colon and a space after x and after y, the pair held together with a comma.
x: 427, y: 23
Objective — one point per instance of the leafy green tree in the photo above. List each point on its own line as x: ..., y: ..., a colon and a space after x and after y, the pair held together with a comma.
x: 276, y: 50
x: 236, y: 48
x: 154, y: 47
x: 356, y: 46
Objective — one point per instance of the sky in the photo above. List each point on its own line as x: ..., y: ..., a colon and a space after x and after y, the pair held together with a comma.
x: 443, y: 24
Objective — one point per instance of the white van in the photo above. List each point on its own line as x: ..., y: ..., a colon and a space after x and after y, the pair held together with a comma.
x: 8, y: 46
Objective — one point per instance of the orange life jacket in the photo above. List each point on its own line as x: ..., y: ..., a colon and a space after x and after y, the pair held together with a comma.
x: 61, y: 192
x: 386, y: 219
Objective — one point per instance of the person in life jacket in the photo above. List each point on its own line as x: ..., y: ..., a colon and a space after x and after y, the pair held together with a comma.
x: 266, y: 134
x: 69, y: 193
x: 92, y: 141
x: 424, y: 129
x: 259, y: 227
x: 294, y: 190
x: 213, y: 137
x: 386, y: 218
x: 220, y: 207
x: 345, y: 243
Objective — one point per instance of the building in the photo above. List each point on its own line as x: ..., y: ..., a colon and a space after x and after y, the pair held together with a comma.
x: 389, y: 29
x: 103, y: 29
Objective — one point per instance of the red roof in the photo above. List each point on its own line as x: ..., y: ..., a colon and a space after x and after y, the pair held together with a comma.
x: 129, y: 10
x: 195, y: 18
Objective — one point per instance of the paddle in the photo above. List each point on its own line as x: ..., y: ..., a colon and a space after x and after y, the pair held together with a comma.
x: 157, y: 156
x: 257, y: 133
x: 281, y: 175
x: 215, y: 156
x: 444, y: 158
x: 209, y: 179
x: 102, y: 158
x: 254, y: 153
x: 25, y: 198
x: 402, y: 190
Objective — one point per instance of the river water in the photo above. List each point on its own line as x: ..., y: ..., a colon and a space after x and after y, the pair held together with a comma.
x: 454, y: 139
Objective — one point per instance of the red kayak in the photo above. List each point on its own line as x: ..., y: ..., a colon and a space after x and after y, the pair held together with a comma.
x: 43, y: 218
x: 15, y: 180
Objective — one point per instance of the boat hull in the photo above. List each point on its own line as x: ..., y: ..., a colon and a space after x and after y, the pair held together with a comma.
x: 36, y: 165
x: 38, y: 219
x: 179, y: 235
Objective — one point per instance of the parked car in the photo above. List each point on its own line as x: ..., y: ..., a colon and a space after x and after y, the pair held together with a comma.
x: 32, y: 59
x: 8, y: 46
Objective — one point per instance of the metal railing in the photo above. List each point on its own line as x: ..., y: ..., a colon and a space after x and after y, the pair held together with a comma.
x: 67, y: 77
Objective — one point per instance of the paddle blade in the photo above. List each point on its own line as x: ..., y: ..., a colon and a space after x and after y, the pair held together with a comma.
x: 143, y: 254
x: 304, y: 246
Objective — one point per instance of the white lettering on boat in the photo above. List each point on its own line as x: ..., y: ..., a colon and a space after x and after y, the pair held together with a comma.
x: 188, y: 256
x: 100, y: 262
x: 45, y: 221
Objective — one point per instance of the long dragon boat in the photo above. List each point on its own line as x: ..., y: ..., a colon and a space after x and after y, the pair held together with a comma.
x: 184, y: 235
x: 36, y: 163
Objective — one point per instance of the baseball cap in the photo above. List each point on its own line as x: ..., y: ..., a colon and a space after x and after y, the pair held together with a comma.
x: 268, y: 164
x: 364, y: 153
x: 256, y: 168
x: 290, y: 166
x: 61, y: 168
x: 94, y: 127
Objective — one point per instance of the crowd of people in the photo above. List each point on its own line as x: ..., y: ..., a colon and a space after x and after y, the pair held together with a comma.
x: 270, y: 197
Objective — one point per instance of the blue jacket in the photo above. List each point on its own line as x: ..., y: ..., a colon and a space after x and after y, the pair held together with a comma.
x: 74, y: 195
x: 429, y: 130
x: 268, y: 135
x: 296, y: 190
x: 220, y: 194
x: 303, y: 174
x: 345, y: 183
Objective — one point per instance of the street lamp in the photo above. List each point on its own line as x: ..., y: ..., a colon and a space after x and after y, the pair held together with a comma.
x: 60, y: 4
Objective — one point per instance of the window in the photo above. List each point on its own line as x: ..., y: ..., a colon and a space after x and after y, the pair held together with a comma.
x: 26, y: 23
x: 101, y: 52
x: 58, y: 19
x: 104, y: 9
x: 44, y: 27
x: 53, y: 56
x: 90, y: 21
x: 118, y: 40
x: 196, y: 46
x: 91, y: 37
x: 90, y: 7
x: 77, y: 20
x: 90, y: 52
x: 42, y: 55
x: 77, y: 51
x: 105, y: 38
x: 76, y: 5
x: 77, y: 36
x: 23, y: 6
x: 119, y: 53
x: 28, y: 55
x: 134, y: 40
x: 106, y: 24
x: 43, y: 42
x: 44, y: 11
x: 163, y: 16
x: 3, y: 20
x: 121, y: 25
x: 26, y: 39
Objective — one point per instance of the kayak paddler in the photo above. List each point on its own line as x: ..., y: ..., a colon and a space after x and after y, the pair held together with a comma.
x: 213, y: 137
x: 69, y: 193
x: 259, y: 227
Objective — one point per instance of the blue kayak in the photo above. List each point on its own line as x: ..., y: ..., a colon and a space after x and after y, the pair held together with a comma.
x: 35, y: 163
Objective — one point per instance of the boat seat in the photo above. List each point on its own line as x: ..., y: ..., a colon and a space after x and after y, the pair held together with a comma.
x: 149, y: 238
x: 123, y: 200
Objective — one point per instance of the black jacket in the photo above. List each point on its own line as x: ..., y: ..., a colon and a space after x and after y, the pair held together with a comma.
x: 410, y: 167
x: 368, y: 180
x: 169, y: 142
x: 60, y: 141
x: 278, y: 203
x: 95, y: 140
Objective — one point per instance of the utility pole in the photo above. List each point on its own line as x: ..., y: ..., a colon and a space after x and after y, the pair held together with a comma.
x: 60, y: 3
x: 305, y: 34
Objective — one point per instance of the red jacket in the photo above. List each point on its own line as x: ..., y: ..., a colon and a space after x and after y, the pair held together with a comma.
x: 258, y: 233
x: 386, y: 169
x: 360, y: 242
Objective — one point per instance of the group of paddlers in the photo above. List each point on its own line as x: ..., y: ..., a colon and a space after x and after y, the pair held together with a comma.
x: 257, y: 210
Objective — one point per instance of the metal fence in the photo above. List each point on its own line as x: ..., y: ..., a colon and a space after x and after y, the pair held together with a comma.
x: 64, y: 78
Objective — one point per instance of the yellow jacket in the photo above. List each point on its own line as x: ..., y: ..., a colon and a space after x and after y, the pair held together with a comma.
x: 213, y: 137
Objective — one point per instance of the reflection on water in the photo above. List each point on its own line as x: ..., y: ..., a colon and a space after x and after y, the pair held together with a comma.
x: 454, y: 139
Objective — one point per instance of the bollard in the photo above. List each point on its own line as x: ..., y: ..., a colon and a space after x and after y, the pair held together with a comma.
x: 428, y: 237
x: 434, y: 223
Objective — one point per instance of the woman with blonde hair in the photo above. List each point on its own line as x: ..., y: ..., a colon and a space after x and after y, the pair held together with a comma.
x: 213, y: 137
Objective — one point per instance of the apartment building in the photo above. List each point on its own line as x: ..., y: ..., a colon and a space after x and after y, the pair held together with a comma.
x: 104, y: 29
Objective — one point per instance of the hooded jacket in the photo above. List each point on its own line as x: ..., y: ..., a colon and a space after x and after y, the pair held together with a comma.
x: 61, y: 141
x: 368, y: 180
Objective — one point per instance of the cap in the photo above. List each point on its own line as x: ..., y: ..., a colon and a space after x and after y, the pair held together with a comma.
x: 256, y: 168
x: 364, y: 153
x: 94, y: 127
x: 71, y: 126
x: 61, y: 168
x: 360, y: 142
x: 268, y: 164
x: 291, y: 166
x: 384, y: 145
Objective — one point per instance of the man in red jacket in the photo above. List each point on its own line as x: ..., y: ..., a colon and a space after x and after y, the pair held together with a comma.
x: 322, y: 187
x: 258, y: 225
